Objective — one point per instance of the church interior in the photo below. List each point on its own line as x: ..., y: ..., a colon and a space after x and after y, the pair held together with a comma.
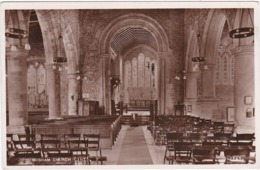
x: 130, y: 86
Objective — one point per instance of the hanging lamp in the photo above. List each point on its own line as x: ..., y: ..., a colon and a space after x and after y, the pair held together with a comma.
x: 17, y: 33
x: 241, y: 31
x: 200, y: 59
x: 60, y: 58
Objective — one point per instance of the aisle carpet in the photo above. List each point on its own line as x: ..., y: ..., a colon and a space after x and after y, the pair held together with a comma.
x: 134, y: 150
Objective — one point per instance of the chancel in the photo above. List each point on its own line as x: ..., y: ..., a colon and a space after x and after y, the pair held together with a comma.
x: 130, y: 86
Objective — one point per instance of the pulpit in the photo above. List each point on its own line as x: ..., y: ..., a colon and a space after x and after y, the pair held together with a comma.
x: 87, y: 107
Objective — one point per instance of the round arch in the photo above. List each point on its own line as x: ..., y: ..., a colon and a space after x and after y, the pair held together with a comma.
x: 214, y: 24
x: 192, y: 50
x: 134, y: 19
x: 47, y: 24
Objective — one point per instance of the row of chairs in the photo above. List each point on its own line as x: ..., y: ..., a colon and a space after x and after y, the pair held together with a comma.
x: 187, y: 124
x: 219, y: 142
x: 193, y: 123
x: 206, y: 154
x: 72, y: 146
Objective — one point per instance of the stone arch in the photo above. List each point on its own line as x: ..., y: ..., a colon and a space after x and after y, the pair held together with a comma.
x: 214, y: 24
x: 51, y: 32
x: 134, y: 19
x: 50, y: 36
x: 192, y: 49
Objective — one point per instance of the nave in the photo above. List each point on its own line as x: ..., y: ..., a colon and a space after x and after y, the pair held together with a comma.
x: 193, y: 141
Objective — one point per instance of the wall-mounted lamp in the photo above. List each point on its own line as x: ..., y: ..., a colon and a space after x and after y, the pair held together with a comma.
x: 181, y: 75
x: 115, y: 81
x: 249, y: 112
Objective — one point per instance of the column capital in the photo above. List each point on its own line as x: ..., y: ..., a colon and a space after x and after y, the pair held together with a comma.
x: 210, y: 67
x: 243, y: 49
x: 20, y: 52
x: 72, y: 75
x: 192, y: 74
x: 48, y: 66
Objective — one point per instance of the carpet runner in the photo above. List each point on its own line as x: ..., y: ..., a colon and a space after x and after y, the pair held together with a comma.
x: 134, y: 150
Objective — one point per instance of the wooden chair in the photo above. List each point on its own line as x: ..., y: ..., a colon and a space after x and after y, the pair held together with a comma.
x: 24, y: 145
x: 28, y: 137
x: 25, y: 149
x: 245, y: 137
x: 218, y: 127
x: 171, y: 138
x: 222, y: 137
x: 182, y: 152
x: 71, y: 138
x: 229, y: 128
x: 236, y: 155
x: 94, y: 146
x: 49, y: 137
x: 204, y: 155
x: 197, y: 138
x: 49, y: 146
x: 242, y: 140
x: 218, y: 146
x: 241, y: 144
x: 9, y: 137
x: 9, y: 149
x: 9, y: 145
x: 212, y: 144
x: 169, y: 152
x: 79, y: 150
x: 159, y: 135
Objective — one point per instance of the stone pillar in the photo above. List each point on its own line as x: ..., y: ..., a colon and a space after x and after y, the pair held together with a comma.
x: 244, y: 86
x: 161, y: 86
x: 106, y: 72
x: 72, y: 93
x: 53, y: 85
x: 17, y: 86
x: 191, y: 92
x: 208, y: 82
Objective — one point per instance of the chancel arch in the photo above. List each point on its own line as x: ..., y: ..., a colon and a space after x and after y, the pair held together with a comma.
x: 126, y: 33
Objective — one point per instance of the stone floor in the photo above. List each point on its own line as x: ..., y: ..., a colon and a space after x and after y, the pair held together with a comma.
x: 156, y: 152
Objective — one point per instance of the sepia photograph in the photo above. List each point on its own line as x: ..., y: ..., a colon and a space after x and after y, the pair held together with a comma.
x: 158, y: 84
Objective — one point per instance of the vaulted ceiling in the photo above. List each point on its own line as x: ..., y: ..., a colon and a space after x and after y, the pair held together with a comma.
x: 132, y: 36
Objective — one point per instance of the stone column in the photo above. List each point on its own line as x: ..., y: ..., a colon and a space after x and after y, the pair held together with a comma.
x: 161, y: 86
x: 17, y: 86
x: 53, y: 85
x: 106, y: 71
x: 208, y: 82
x: 244, y: 86
x: 72, y: 93
x: 191, y: 86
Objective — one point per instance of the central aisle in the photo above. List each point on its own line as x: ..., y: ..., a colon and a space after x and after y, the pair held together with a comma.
x: 134, y: 149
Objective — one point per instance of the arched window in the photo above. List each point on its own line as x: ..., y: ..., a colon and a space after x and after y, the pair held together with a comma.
x: 224, y: 70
